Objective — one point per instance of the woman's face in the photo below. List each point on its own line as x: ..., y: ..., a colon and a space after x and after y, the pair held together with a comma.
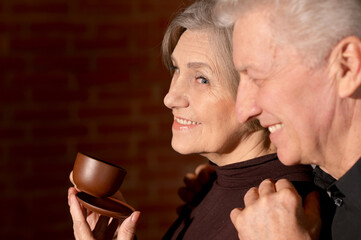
x: 203, y: 107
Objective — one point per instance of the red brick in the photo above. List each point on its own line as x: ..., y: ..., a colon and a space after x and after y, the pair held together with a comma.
x: 56, y: 132
x: 38, y: 80
x: 165, y: 173
x: 58, y: 27
x: 123, y: 27
x: 125, y: 161
x: 44, y: 7
x: 11, y: 167
x: 40, y: 183
x: 126, y: 93
x: 116, y: 63
x: 11, y: 132
x: 11, y: 96
x: 10, y: 27
x: 100, y: 44
x: 157, y: 208
x: 153, y: 109
x: 101, y: 112
x: 9, y: 64
x: 45, y: 114
x: 161, y: 76
x: 166, y: 124
x: 130, y: 127
x: 113, y: 152
x: 38, y: 44
x: 153, y: 143
x: 59, y: 95
x: 61, y: 63
x: 59, y: 166
x: 105, y: 7
x: 158, y: 6
x: 102, y: 78
x: 38, y: 150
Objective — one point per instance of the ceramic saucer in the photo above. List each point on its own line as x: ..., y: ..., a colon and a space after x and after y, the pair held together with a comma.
x: 109, y: 207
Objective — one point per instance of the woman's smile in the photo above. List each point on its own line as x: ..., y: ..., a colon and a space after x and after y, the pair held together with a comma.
x: 184, y: 124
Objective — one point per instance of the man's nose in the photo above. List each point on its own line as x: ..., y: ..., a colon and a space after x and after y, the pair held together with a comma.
x: 246, y: 106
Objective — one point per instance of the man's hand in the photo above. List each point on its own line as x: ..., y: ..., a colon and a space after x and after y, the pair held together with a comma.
x: 274, y: 211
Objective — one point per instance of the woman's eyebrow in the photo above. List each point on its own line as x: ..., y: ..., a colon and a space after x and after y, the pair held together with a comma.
x: 198, y: 65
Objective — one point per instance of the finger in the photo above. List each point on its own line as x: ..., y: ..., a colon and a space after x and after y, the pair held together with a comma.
x: 284, y: 184
x: 101, y: 227
x: 266, y: 187
x: 74, y: 191
x: 312, y: 211
x: 312, y: 204
x: 112, y: 228
x: 204, y: 173
x: 251, y: 196
x: 235, y: 213
x: 127, y: 228
x: 201, y: 167
x: 71, y: 191
x: 192, y: 183
x: 71, y: 178
x: 185, y: 194
x: 80, y: 226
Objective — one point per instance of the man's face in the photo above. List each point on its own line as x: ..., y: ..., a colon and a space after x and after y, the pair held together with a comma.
x: 294, y: 102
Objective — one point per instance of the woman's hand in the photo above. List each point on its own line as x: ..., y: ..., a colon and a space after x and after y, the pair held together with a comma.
x: 195, y: 182
x: 89, y: 225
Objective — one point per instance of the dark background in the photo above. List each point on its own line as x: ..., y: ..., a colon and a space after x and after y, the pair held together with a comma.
x: 84, y: 75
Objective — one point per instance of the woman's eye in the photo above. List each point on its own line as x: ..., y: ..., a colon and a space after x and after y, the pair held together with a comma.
x: 174, y: 68
x: 202, y: 80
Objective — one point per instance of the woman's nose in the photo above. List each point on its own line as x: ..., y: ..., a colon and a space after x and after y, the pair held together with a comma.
x: 176, y: 97
x: 247, y: 107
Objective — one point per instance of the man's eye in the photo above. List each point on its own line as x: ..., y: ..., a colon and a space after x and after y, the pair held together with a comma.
x: 202, y: 80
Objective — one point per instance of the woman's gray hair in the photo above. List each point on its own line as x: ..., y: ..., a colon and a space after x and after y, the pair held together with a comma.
x: 313, y: 27
x: 199, y: 17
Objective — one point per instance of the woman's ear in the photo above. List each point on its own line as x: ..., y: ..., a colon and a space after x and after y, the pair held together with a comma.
x: 345, y: 64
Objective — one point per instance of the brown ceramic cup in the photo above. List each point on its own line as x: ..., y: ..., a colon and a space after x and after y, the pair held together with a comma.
x: 96, y: 177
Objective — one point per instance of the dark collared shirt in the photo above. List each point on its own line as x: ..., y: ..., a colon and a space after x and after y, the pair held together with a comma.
x: 346, y: 195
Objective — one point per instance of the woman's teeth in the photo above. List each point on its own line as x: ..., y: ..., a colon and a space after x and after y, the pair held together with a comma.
x: 275, y: 127
x: 185, y: 122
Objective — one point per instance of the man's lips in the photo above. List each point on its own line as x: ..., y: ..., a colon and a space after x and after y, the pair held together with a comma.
x: 275, y: 127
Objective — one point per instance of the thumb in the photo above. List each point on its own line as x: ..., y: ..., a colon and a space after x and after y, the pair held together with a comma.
x: 127, y: 228
x: 312, y: 210
x: 312, y: 205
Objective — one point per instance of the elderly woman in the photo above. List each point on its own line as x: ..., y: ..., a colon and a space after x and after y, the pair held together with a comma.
x: 202, y: 98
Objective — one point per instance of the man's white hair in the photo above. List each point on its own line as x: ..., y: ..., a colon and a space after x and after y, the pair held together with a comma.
x: 313, y: 27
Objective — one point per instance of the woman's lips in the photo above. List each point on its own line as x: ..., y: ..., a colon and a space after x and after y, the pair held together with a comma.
x: 183, y: 124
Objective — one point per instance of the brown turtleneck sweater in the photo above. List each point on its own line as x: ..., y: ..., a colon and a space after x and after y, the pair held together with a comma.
x: 209, y: 219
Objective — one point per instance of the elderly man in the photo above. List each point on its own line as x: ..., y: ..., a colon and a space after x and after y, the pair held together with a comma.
x: 300, y: 68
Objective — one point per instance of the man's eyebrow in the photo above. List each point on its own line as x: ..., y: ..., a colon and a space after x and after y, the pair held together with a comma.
x: 241, y: 69
x: 198, y: 65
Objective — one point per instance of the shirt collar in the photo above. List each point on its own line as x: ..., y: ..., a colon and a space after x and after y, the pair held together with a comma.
x: 348, y: 185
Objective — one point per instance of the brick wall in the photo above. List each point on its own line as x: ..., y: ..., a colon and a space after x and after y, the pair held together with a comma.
x: 84, y: 75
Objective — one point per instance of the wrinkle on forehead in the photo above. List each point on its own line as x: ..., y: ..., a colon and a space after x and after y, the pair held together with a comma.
x: 199, y: 50
x: 254, y: 47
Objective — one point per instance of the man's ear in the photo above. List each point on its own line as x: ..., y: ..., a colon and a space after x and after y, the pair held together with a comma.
x: 345, y: 64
